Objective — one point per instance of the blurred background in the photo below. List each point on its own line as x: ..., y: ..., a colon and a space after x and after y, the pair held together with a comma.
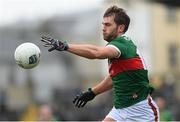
x: 47, y: 91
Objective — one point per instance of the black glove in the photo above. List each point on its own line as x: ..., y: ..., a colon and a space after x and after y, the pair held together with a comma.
x: 54, y: 44
x: 81, y: 99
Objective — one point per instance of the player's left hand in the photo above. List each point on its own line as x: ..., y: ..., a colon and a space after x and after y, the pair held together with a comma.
x: 81, y: 99
x: 54, y: 44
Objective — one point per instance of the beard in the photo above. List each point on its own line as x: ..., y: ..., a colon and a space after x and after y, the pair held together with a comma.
x: 111, y: 36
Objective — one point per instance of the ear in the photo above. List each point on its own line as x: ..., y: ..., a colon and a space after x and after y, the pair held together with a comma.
x: 121, y: 28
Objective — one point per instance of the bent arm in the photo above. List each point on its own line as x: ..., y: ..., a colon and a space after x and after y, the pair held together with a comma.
x: 103, y: 86
x: 92, y: 51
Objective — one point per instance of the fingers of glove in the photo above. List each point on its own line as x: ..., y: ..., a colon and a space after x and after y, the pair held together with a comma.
x: 47, y: 45
x: 46, y: 38
x: 46, y: 41
x: 51, y: 49
x: 75, y: 99
x: 83, y: 104
x: 80, y: 103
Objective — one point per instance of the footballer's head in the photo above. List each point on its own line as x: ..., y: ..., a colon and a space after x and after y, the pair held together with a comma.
x: 115, y: 23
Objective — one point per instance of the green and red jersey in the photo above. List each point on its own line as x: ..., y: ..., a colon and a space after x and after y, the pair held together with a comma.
x: 128, y: 73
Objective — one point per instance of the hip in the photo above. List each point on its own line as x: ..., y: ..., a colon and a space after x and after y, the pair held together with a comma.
x: 145, y: 110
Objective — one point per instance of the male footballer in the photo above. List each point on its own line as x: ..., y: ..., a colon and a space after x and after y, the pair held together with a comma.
x: 128, y: 77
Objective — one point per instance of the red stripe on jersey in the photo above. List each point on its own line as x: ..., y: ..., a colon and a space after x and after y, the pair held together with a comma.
x: 153, y: 109
x: 120, y: 65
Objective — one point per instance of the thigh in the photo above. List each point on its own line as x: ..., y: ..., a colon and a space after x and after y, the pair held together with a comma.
x: 108, y: 119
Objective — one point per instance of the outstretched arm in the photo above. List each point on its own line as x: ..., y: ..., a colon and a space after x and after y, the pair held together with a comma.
x: 81, y: 99
x: 84, y: 50
x: 92, y: 51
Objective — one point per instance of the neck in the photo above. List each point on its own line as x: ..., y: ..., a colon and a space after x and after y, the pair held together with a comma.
x: 120, y: 34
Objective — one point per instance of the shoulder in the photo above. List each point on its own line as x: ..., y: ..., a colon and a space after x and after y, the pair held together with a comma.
x: 122, y: 42
x: 117, y: 41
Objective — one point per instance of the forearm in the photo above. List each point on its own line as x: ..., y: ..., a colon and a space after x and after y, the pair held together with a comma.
x: 103, y: 86
x: 85, y: 50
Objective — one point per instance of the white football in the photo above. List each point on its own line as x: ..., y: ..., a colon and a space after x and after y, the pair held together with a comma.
x: 27, y: 55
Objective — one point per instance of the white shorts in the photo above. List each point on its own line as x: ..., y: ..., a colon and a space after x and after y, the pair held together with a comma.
x: 144, y: 111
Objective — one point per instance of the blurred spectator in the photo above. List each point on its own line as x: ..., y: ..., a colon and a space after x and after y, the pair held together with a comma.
x: 165, y: 113
x: 46, y: 113
x: 3, y: 107
x: 30, y: 113
x: 6, y: 114
x: 176, y: 110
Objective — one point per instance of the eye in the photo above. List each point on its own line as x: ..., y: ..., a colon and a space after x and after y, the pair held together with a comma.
x: 106, y: 24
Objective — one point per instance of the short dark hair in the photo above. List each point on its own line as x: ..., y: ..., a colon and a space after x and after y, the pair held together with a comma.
x: 120, y: 16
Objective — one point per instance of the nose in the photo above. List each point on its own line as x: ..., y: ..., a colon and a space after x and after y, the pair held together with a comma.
x: 103, y: 29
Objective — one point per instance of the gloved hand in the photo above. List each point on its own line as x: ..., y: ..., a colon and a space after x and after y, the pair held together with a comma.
x: 81, y: 99
x: 54, y: 44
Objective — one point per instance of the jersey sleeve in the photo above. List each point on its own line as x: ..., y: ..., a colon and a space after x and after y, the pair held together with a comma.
x: 119, y: 52
x: 119, y: 46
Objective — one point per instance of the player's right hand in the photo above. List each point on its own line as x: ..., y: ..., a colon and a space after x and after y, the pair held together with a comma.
x: 54, y: 44
x: 81, y: 99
